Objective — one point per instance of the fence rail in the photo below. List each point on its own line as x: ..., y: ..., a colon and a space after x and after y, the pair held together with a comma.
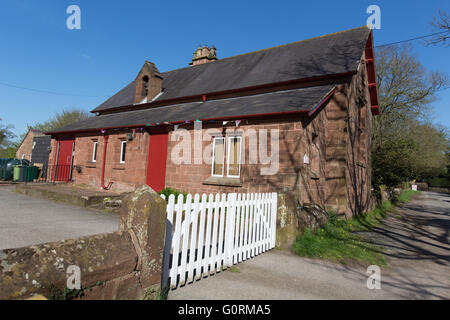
x: 208, y: 234
x: 53, y: 173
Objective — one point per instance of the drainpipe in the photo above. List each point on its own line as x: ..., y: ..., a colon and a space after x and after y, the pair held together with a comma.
x: 103, y: 165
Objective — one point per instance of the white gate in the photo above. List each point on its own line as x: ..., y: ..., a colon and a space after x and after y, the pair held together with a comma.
x: 206, y: 235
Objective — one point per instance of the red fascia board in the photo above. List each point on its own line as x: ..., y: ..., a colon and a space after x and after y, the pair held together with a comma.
x: 308, y: 113
x: 370, y: 67
x: 321, y: 103
x: 256, y: 115
x: 205, y: 96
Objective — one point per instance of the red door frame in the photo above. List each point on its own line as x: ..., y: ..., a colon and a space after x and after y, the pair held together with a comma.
x: 63, y: 162
x: 157, y: 159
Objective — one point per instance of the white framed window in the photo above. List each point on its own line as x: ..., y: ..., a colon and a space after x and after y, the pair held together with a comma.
x: 218, y: 157
x: 234, y: 157
x: 94, y: 152
x: 123, y: 150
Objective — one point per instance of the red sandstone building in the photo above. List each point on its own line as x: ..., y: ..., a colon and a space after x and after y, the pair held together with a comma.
x: 312, y: 102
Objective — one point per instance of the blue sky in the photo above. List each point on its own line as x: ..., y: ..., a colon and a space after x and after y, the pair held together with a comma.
x: 116, y: 37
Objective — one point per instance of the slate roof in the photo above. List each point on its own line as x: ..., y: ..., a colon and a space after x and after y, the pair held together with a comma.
x: 304, y: 99
x: 41, y: 150
x: 330, y: 54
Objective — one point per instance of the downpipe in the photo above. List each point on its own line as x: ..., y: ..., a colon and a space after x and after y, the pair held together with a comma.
x: 104, y: 162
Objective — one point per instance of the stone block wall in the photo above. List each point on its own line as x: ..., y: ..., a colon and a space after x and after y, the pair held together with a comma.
x: 125, y: 176
x: 296, y: 137
x: 120, y: 265
x: 26, y: 147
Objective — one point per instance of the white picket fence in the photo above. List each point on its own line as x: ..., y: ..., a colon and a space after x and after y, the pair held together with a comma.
x: 205, y: 235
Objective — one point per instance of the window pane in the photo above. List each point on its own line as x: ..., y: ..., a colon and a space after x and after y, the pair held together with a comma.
x: 124, y: 148
x: 219, y: 153
x: 94, y: 155
x: 233, y: 157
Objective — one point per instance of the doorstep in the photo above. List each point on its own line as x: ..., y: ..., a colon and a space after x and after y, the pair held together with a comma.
x: 70, y: 194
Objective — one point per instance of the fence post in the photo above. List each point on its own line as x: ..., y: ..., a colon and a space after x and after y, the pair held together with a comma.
x: 168, y: 241
x: 229, y: 234
x: 274, y: 219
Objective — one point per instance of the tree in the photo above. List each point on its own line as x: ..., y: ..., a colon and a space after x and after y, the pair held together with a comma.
x: 61, y: 119
x: 405, y: 89
x: 429, y: 158
x: 405, y: 144
x: 441, y: 25
x: 5, y: 140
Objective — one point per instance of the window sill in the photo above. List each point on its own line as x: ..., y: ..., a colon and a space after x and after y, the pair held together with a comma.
x: 223, y: 181
x: 122, y: 167
x: 91, y: 164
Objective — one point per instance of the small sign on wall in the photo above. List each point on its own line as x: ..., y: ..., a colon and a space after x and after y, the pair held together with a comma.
x: 414, y: 187
x: 306, y: 159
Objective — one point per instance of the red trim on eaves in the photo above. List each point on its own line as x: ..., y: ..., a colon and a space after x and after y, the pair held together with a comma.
x: 371, y: 75
x: 308, y: 113
x: 321, y: 103
x: 211, y: 95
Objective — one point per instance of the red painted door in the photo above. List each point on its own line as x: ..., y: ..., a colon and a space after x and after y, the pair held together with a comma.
x: 157, y: 157
x: 64, y: 162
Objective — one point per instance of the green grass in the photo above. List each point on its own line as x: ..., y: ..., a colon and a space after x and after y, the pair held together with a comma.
x: 405, y: 196
x: 337, y: 241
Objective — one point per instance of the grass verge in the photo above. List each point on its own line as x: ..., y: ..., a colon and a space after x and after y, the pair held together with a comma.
x: 337, y: 241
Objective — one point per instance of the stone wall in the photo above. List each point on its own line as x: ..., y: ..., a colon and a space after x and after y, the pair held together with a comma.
x: 26, y: 147
x: 297, y: 137
x: 125, y: 176
x: 348, y: 143
x: 120, y: 265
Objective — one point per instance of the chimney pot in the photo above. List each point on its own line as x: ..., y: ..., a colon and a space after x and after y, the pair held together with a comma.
x: 203, y: 55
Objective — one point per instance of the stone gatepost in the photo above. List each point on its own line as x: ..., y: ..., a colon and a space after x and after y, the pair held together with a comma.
x: 143, y: 216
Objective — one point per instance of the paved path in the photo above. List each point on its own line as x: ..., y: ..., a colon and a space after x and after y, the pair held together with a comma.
x: 25, y: 220
x: 416, y: 238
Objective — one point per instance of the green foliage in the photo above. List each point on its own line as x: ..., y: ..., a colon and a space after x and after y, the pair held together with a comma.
x: 392, y: 163
x: 61, y: 119
x: 406, y: 145
x: 235, y: 269
x: 168, y: 191
x: 337, y: 241
x: 65, y: 294
x: 156, y: 293
x: 337, y: 244
x: 8, y: 152
x: 404, y: 196
x: 439, y: 182
x: 6, y: 145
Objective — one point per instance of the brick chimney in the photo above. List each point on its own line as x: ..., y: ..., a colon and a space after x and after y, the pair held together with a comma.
x: 203, y: 55
x: 148, y: 83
